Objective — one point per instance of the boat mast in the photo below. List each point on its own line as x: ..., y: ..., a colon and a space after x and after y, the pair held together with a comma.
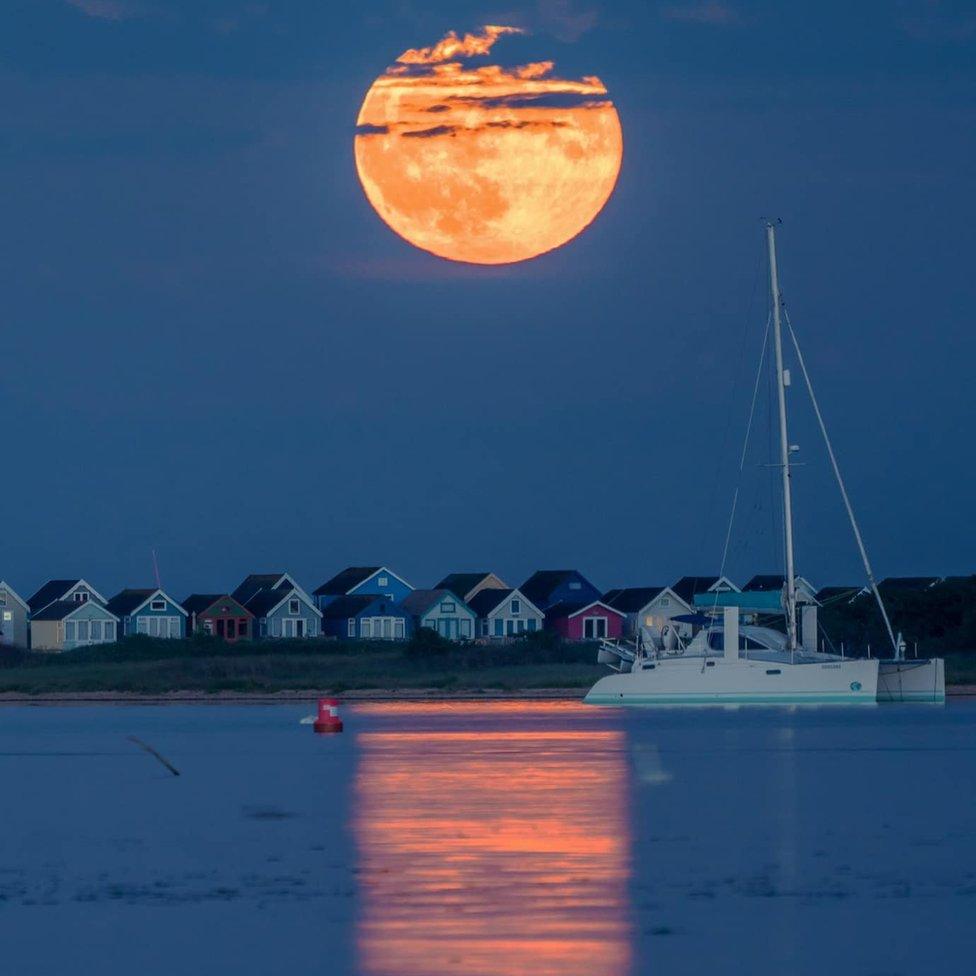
x: 782, y: 379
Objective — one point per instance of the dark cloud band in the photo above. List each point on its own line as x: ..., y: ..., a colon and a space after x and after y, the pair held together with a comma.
x: 542, y: 100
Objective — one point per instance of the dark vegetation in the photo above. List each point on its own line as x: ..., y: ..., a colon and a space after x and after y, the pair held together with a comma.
x: 940, y: 620
x: 143, y: 665
x: 935, y: 622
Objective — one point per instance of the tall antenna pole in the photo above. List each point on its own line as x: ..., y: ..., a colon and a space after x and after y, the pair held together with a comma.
x: 159, y: 585
x: 784, y: 442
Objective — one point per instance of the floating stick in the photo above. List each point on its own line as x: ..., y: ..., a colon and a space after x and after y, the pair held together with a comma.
x: 152, y: 752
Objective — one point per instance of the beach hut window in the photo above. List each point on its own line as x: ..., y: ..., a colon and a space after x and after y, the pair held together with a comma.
x: 351, y: 627
x: 516, y: 607
x: 448, y: 607
x: 499, y: 627
x: 96, y: 630
x: 158, y: 605
x: 69, y: 630
x: 82, y: 630
x: 293, y: 607
x: 367, y: 628
x: 398, y: 628
x: 110, y: 630
x: 383, y: 581
x: 533, y: 623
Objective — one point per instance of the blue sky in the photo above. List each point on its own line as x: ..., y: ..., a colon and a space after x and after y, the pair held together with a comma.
x: 212, y: 346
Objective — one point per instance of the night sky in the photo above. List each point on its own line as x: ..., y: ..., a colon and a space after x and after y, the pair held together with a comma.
x: 210, y: 344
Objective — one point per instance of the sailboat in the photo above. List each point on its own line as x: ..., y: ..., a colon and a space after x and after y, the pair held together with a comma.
x: 732, y: 658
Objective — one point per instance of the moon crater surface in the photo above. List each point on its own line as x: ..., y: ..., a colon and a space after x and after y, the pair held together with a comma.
x: 483, y: 163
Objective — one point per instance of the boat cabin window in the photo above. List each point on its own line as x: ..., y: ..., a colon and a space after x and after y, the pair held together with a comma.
x: 748, y: 644
x: 716, y: 641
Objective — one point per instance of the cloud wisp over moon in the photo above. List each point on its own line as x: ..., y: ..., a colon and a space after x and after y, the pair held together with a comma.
x: 451, y: 46
x: 482, y: 162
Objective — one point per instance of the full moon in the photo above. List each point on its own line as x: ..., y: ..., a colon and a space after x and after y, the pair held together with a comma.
x: 483, y: 163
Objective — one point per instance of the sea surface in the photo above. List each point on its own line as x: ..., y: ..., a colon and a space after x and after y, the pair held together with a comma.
x: 482, y: 839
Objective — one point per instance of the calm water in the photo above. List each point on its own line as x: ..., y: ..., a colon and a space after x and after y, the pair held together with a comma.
x: 489, y: 839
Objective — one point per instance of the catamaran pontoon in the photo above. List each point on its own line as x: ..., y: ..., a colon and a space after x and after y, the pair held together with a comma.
x: 731, y: 658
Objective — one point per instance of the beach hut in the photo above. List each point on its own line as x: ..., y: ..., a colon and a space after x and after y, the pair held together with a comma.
x: 149, y: 612
x: 442, y: 611
x: 649, y: 609
x: 366, y: 616
x: 219, y: 615
x: 506, y: 613
x: 585, y: 621
x: 688, y: 587
x: 467, y: 585
x: 774, y: 582
x: 251, y: 584
x: 547, y: 587
x: 66, y: 624
x: 14, y: 614
x: 285, y: 611
x: 76, y: 590
x: 362, y: 580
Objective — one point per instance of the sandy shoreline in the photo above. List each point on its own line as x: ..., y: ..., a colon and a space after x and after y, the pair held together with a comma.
x: 311, y: 695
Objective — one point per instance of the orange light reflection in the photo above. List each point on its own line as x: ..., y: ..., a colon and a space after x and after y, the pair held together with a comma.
x: 467, y: 706
x: 489, y: 853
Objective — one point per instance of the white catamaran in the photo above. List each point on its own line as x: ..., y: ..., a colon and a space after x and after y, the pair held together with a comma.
x: 731, y: 659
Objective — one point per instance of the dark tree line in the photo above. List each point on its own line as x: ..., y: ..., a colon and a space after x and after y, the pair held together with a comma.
x: 941, y: 619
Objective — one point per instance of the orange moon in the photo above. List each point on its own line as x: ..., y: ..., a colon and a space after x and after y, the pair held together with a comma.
x: 483, y: 163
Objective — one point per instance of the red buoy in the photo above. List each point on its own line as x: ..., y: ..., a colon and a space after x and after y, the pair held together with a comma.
x: 328, y: 718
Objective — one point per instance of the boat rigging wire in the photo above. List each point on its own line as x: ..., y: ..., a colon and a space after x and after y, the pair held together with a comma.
x: 840, y: 484
x: 729, y: 411
x: 742, y: 462
x: 745, y: 444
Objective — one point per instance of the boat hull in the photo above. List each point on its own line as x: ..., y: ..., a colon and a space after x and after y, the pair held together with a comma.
x: 716, y: 681
x: 912, y: 681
